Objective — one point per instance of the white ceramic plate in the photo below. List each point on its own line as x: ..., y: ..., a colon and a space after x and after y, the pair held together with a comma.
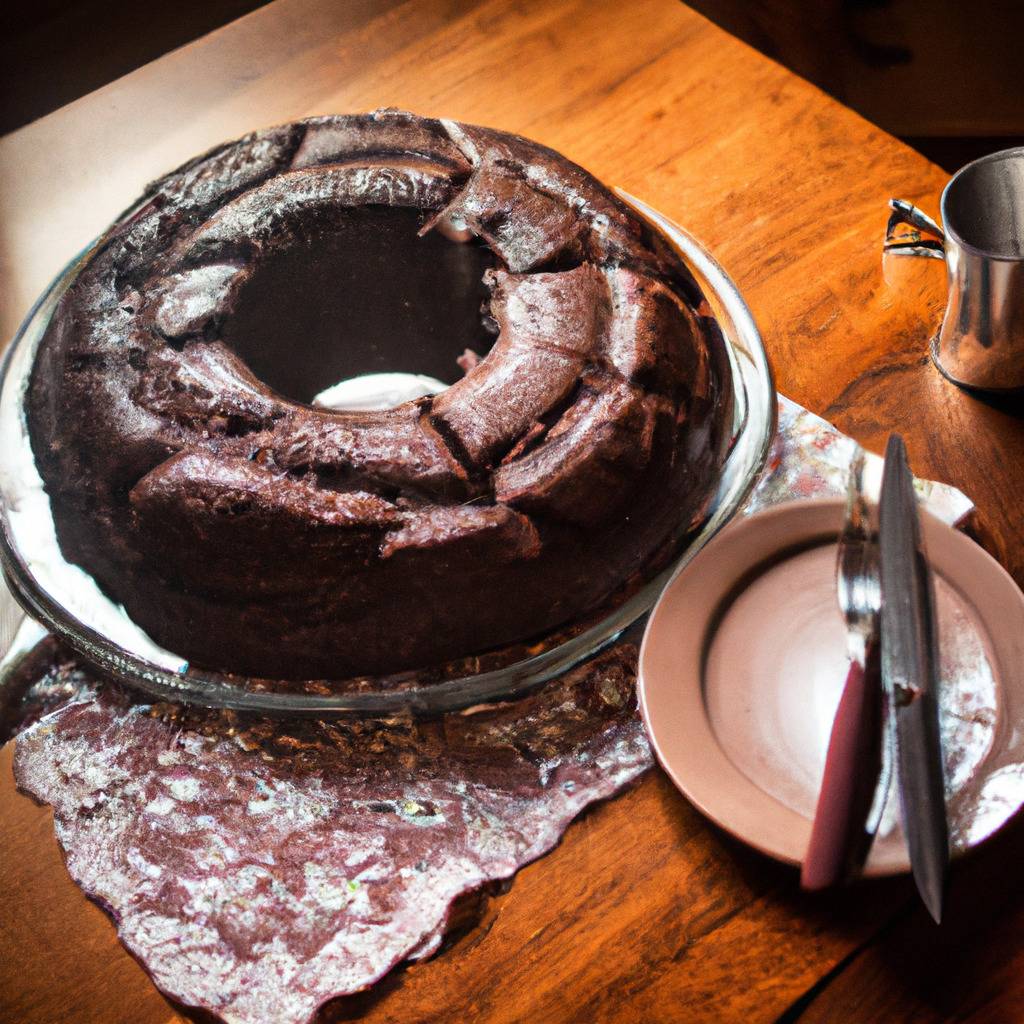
x: 743, y: 661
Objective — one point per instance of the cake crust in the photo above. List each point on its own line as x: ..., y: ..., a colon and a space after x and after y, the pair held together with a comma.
x: 256, y: 534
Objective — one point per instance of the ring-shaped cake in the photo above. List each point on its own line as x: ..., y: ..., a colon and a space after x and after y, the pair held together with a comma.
x: 252, y: 532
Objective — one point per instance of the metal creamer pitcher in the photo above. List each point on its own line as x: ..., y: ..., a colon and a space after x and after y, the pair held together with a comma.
x: 981, y: 341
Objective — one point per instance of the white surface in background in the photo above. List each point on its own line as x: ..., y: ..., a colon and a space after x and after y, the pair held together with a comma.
x: 378, y: 391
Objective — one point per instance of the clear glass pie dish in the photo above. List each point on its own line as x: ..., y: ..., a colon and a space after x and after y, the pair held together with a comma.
x: 498, y: 675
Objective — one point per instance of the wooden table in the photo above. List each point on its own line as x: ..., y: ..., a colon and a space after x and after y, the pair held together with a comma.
x: 645, y: 912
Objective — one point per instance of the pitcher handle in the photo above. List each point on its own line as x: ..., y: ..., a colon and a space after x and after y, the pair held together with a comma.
x: 911, y: 232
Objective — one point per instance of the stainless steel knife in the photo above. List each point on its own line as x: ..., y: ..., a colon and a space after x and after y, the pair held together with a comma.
x: 910, y: 676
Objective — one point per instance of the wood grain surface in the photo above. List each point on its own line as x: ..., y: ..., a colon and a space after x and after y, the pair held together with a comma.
x: 645, y: 912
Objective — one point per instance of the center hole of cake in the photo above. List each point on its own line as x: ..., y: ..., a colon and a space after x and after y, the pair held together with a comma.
x: 363, y: 294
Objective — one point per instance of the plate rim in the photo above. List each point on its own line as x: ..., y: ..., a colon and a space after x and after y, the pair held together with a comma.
x: 717, y: 802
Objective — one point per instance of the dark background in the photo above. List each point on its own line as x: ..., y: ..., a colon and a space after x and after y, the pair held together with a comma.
x: 945, y: 75
x: 53, y: 51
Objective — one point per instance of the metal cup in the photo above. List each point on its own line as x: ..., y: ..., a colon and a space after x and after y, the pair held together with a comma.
x: 981, y: 341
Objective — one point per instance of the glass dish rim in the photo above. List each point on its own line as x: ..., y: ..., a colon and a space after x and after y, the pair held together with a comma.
x: 754, y: 424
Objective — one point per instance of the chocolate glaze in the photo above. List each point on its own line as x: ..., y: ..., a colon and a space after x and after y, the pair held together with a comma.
x: 253, y: 533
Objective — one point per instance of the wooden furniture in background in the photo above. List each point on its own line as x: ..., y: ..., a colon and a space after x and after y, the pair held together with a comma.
x: 645, y: 911
x: 943, y: 75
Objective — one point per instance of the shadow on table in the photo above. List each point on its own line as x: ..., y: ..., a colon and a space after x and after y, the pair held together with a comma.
x: 913, y: 969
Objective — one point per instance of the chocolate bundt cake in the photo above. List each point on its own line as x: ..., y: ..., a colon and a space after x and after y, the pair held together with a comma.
x: 253, y: 532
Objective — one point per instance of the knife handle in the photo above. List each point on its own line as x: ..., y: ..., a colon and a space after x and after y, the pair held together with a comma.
x: 839, y: 840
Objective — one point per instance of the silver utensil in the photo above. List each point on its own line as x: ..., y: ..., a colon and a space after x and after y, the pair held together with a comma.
x: 981, y: 341
x: 910, y: 676
x: 860, y: 599
x: 856, y: 775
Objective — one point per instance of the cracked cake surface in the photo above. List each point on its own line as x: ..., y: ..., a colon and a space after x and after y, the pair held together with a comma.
x: 583, y: 430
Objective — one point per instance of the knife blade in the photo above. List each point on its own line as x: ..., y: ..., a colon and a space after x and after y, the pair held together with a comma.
x: 910, y: 676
